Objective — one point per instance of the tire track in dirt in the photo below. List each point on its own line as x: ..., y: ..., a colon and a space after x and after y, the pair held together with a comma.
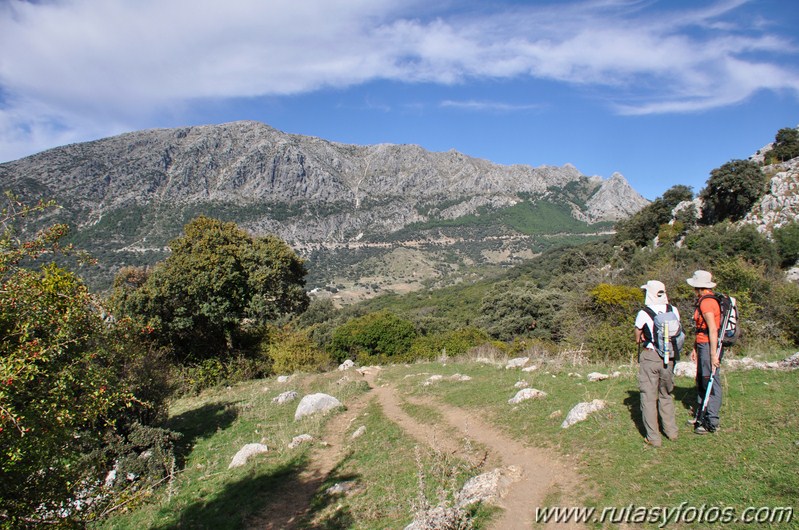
x: 542, y: 472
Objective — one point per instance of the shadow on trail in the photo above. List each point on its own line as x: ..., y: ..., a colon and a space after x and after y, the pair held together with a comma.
x: 319, y: 515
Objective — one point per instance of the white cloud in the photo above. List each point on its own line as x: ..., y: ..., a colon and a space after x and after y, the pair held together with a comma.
x: 491, y: 106
x: 73, y: 68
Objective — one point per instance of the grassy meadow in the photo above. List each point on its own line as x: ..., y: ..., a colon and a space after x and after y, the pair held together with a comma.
x: 750, y: 462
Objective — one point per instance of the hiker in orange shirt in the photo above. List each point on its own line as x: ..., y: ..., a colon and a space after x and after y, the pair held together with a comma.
x: 707, y: 317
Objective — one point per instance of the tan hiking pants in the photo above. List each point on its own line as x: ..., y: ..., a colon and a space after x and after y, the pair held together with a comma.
x: 656, y: 383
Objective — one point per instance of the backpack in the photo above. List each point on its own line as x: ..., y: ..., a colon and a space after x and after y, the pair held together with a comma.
x: 729, y: 318
x: 672, y: 343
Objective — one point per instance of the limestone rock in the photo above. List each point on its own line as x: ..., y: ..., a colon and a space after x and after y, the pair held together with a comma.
x: 360, y: 431
x: 488, y: 487
x: 316, y: 404
x: 245, y: 453
x: 285, y: 397
x: 525, y: 394
x: 685, y: 369
x: 518, y: 362
x: 346, y: 365
x: 299, y: 440
x: 581, y: 411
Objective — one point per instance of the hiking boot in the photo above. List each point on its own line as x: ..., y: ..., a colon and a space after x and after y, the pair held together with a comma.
x: 672, y: 437
x: 653, y: 443
x: 700, y: 429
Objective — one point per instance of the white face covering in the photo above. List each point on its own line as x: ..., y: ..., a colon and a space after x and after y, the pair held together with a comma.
x: 655, y: 293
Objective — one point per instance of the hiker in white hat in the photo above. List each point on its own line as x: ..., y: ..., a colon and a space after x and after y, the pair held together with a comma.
x: 707, y: 317
x: 656, y: 364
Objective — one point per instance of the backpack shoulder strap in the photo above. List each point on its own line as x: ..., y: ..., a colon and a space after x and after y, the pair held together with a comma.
x: 647, y: 330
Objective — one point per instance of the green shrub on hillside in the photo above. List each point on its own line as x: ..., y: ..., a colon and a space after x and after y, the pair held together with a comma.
x: 216, y: 277
x: 731, y: 191
x: 786, y: 146
x: 70, y: 381
x: 447, y: 344
x: 511, y: 311
x: 787, y: 239
x: 294, y: 351
x: 643, y: 226
x: 382, y: 336
x: 710, y: 244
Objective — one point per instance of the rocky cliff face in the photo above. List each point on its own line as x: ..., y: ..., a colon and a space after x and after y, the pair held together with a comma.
x: 780, y: 205
x: 135, y: 191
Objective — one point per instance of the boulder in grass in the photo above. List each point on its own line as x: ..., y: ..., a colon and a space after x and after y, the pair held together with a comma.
x: 285, y: 397
x: 488, y: 487
x: 299, y: 440
x: 581, y: 411
x: 685, y: 369
x: 316, y: 404
x: 245, y: 453
x: 525, y: 394
x: 518, y: 362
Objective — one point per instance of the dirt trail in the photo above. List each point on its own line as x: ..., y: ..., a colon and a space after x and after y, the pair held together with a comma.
x: 541, y: 472
x: 293, y: 505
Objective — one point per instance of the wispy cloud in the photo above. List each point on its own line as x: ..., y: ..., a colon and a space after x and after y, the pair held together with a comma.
x: 73, y: 68
x: 490, y: 106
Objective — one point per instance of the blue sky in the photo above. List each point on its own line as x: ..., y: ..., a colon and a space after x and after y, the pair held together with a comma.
x: 659, y: 91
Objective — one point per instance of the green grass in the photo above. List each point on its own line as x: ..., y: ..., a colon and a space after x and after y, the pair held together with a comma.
x: 751, y: 461
x: 205, y: 493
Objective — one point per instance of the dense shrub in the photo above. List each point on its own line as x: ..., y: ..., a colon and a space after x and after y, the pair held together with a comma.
x: 511, y: 311
x: 786, y: 146
x: 447, y: 344
x: 606, y: 341
x: 292, y: 351
x: 725, y: 240
x: 381, y: 336
x: 787, y: 240
x: 644, y: 225
x: 216, y: 277
x: 69, y: 380
x: 731, y: 191
x: 615, y: 302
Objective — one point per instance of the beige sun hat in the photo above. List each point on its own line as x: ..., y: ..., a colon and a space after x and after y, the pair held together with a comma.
x: 701, y: 279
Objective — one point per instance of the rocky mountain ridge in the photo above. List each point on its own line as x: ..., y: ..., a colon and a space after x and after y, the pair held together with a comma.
x: 134, y: 192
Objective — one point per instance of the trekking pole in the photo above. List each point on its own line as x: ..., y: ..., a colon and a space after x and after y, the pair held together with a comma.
x: 700, y: 416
